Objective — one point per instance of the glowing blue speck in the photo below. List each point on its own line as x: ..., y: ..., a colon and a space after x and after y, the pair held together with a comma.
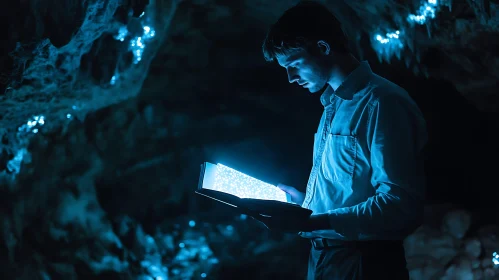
x: 68, y: 116
x: 203, y: 275
x: 122, y: 32
x: 150, y: 239
x: 495, y: 258
x: 425, y: 12
x: 181, y: 245
x: 35, y: 130
x: 137, y: 44
x: 113, y: 80
x: 388, y: 45
x: 141, y: 15
x: 192, y: 223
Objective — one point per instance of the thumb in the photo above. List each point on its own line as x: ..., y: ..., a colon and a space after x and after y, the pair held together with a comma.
x: 285, y: 188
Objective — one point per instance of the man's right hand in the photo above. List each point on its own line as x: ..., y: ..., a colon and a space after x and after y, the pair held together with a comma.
x: 296, y: 196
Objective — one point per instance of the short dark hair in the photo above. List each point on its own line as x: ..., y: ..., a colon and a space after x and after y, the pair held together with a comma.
x: 301, y: 27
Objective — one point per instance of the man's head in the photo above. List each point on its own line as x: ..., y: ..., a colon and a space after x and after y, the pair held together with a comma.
x: 306, y: 40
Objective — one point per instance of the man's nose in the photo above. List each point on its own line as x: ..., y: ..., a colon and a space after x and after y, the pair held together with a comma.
x: 292, y: 77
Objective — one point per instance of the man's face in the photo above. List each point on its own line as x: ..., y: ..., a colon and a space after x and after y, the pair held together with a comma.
x: 305, y: 69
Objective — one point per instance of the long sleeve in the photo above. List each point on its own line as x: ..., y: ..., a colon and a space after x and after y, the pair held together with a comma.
x: 396, y: 134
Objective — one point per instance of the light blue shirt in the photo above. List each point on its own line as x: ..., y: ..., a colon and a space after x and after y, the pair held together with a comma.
x: 367, y: 172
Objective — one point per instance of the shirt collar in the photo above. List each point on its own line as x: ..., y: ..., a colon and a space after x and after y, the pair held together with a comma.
x: 354, y: 82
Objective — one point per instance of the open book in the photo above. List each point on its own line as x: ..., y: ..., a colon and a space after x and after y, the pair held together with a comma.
x: 237, y: 189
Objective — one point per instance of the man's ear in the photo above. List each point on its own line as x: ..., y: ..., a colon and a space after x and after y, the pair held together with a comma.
x: 324, y: 47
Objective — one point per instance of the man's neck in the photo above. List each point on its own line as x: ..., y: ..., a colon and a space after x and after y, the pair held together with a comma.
x: 342, y: 68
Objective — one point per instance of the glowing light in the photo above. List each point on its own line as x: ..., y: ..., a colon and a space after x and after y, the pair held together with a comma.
x: 192, y: 223
x: 388, y: 45
x: 122, y: 32
x: 150, y: 239
x: 393, y: 43
x: 68, y: 116
x: 390, y: 37
x: 148, y: 32
x: 426, y: 12
x: 113, y: 80
x: 156, y: 271
x: 181, y: 245
x: 30, y: 125
x: 241, y: 185
x: 495, y: 259
x: 203, y: 275
x: 137, y: 44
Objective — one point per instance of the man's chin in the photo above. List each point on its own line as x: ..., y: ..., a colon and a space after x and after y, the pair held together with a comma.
x: 316, y: 89
x: 313, y: 89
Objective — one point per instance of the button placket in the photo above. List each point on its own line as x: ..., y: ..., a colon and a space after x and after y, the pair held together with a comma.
x: 330, y: 112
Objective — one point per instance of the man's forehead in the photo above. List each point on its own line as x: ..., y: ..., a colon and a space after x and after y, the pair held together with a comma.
x: 284, y: 59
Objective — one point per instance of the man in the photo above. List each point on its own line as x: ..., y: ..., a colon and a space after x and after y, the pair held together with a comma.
x: 366, y: 186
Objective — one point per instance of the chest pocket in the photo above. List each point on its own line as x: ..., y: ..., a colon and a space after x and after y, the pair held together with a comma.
x: 338, y: 160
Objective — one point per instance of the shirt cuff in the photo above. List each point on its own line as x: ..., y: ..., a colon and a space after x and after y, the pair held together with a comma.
x: 337, y: 221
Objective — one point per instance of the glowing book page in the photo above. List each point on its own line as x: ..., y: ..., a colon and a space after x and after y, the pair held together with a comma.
x: 225, y: 179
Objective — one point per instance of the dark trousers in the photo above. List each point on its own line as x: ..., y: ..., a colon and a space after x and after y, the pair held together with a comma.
x: 359, y: 260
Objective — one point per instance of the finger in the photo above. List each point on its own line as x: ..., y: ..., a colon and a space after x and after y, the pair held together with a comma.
x: 284, y: 187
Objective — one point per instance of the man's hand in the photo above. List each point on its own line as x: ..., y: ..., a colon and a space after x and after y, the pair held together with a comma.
x: 296, y: 196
